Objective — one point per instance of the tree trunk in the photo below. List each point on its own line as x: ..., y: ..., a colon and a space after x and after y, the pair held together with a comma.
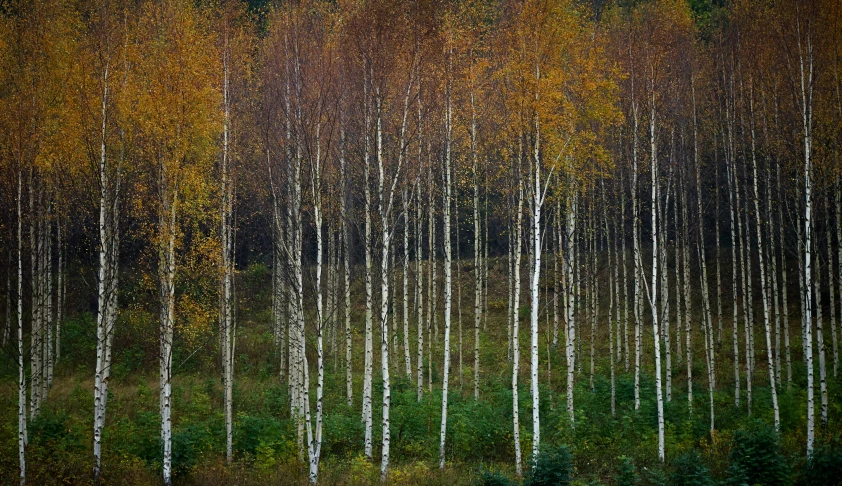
x: 707, y: 324
x: 477, y: 248
x: 166, y: 277
x: 734, y: 289
x: 405, y: 314
x: 516, y: 317
x: 653, y: 298
x: 763, y: 282
x: 537, y: 203
x: 369, y: 306
x: 571, y: 307
x: 745, y: 268
x: 22, y: 436
x: 447, y: 272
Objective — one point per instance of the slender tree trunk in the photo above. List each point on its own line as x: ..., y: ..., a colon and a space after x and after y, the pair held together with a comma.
x: 346, y: 262
x: 625, y: 274
x: 734, y: 289
x: 637, y: 269
x: 829, y: 265
x: 688, y: 307
x: 314, y: 440
x: 22, y: 436
x: 369, y: 307
x: 226, y: 234
x: 773, y: 271
x: 48, y: 296
x: 708, y: 324
x: 746, y: 287
x: 817, y: 289
x: 35, y: 328
x: 516, y: 318
x: 107, y: 275
x: 838, y: 195
x: 785, y: 290
x: 419, y: 253
x: 431, y: 265
x: 806, y: 84
x: 763, y: 282
x: 571, y: 307
x: 593, y: 285
x: 477, y: 247
x: 405, y: 315
x: 447, y: 272
x: 717, y: 238
x: 166, y: 276
x: 59, y: 290
x: 537, y: 204
x: 654, y: 294
x: 612, y: 317
x: 419, y: 281
x: 458, y: 284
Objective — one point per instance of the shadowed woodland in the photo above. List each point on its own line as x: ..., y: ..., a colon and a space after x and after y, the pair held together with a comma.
x: 486, y: 242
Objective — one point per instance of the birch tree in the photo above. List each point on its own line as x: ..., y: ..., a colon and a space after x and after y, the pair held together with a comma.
x: 176, y: 102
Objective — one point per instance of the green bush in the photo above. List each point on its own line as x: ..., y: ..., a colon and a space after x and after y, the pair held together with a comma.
x: 53, y: 430
x: 627, y: 473
x: 552, y: 467
x: 252, y: 433
x: 492, y: 478
x: 139, y: 438
x: 690, y: 470
x: 756, y: 457
x: 825, y: 465
x: 188, y: 444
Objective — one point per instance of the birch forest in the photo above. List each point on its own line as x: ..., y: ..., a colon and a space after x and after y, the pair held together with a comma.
x: 471, y: 242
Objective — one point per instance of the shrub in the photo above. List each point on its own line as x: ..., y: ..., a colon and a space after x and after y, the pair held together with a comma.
x: 552, y: 467
x: 757, y: 458
x: 825, y: 465
x: 188, y: 443
x: 491, y: 478
x: 690, y: 470
x: 53, y: 431
x: 627, y: 473
x: 253, y: 435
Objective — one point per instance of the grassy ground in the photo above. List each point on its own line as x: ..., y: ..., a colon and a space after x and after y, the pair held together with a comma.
x: 480, y: 435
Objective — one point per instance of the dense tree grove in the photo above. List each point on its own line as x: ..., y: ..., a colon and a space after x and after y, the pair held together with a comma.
x: 281, y: 205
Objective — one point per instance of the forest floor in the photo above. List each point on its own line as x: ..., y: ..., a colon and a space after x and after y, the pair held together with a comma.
x: 607, y: 448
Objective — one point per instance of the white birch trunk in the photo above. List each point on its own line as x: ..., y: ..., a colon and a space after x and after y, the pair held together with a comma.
x: 838, y: 271
x: 516, y: 322
x: 419, y: 253
x: 419, y: 284
x: 369, y: 344
x: 22, y: 436
x: 537, y: 204
x: 707, y: 324
x: 744, y: 271
x: 688, y: 307
x: 763, y: 282
x: 314, y: 445
x: 166, y: 276
x: 654, y: 294
x: 405, y: 314
x: 477, y: 249
x: 447, y: 270
x: 346, y: 261
x: 734, y: 288
x: 784, y: 289
x: 805, y: 50
x: 637, y: 258
x: 571, y: 308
